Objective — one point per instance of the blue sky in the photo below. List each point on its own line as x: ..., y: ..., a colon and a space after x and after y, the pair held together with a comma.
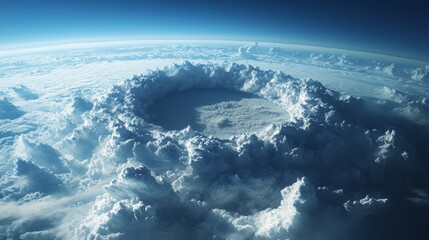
x: 391, y: 27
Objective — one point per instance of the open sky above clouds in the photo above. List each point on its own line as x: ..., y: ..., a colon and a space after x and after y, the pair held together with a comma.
x: 391, y: 27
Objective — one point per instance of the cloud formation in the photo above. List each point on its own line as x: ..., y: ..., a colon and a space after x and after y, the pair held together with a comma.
x: 337, y: 162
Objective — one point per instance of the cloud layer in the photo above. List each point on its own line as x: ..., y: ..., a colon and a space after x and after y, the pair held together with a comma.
x: 330, y: 171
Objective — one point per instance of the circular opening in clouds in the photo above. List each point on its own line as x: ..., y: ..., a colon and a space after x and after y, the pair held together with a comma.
x: 218, y: 112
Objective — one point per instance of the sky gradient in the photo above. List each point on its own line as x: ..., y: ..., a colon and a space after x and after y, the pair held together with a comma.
x: 391, y: 27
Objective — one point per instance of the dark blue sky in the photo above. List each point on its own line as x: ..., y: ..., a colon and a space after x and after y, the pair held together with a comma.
x: 392, y: 27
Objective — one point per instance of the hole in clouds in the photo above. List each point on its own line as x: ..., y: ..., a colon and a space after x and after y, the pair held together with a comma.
x: 218, y: 112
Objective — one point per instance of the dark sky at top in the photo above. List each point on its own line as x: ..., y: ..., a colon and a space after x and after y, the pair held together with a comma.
x: 392, y: 27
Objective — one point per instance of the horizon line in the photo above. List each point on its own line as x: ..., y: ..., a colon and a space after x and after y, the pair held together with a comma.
x: 88, y: 43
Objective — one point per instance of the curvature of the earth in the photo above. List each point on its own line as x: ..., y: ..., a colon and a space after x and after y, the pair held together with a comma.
x: 285, y: 142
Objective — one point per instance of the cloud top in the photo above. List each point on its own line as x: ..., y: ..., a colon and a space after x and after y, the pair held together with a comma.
x: 338, y: 162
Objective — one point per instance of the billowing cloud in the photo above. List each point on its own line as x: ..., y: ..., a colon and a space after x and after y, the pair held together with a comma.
x: 334, y: 163
x: 421, y: 74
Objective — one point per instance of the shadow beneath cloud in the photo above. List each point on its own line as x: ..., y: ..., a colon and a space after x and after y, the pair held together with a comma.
x: 9, y: 111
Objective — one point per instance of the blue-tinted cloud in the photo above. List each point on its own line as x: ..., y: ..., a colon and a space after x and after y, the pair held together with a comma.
x: 337, y: 161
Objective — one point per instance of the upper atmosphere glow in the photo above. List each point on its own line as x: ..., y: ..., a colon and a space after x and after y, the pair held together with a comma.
x: 394, y: 28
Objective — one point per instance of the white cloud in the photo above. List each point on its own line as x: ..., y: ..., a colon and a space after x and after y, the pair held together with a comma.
x: 421, y: 74
x: 112, y: 174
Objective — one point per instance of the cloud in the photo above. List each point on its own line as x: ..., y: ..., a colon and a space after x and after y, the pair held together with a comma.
x: 45, y: 217
x: 336, y: 161
x: 421, y: 74
x: 43, y: 154
x: 270, y: 223
x: 248, y: 52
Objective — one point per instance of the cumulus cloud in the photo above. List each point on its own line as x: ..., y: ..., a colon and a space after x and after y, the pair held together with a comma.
x: 43, y: 154
x: 335, y: 161
x: 271, y: 223
x: 421, y: 74
x: 248, y: 52
x: 389, y: 69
